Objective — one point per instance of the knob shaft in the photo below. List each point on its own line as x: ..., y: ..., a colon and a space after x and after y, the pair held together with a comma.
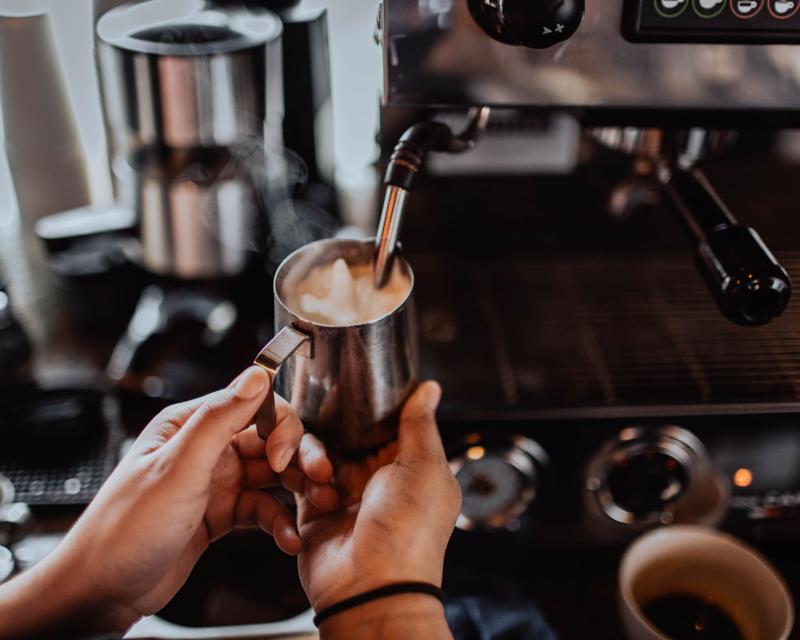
x: 531, y: 23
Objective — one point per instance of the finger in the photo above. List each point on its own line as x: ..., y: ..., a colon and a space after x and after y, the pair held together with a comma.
x: 170, y: 419
x: 248, y: 444
x: 257, y: 508
x: 223, y: 413
x: 322, y: 496
x: 284, y: 530
x: 313, y: 459
x: 419, y: 437
x: 258, y: 474
x: 285, y: 438
x: 293, y: 479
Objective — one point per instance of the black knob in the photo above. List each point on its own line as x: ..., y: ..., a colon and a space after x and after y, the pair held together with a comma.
x: 532, y: 23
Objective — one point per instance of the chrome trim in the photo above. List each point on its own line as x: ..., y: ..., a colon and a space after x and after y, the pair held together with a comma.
x: 523, y: 454
x: 673, y: 441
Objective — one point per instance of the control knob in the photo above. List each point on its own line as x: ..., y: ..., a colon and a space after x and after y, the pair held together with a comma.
x: 531, y: 23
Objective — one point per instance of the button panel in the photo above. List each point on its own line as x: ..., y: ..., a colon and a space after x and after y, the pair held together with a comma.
x: 713, y: 21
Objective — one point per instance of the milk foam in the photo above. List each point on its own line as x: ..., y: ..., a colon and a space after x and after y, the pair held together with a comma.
x: 341, y: 294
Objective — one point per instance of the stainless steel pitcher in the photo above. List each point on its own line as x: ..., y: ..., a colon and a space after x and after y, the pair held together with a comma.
x: 347, y: 383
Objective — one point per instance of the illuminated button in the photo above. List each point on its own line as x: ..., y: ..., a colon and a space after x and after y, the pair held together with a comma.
x: 671, y: 8
x: 783, y: 9
x: 746, y: 9
x: 743, y: 477
x: 708, y: 8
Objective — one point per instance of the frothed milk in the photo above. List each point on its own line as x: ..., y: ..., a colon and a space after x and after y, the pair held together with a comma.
x: 341, y: 294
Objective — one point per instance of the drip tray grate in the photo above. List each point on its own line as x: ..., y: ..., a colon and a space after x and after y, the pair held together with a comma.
x: 598, y: 334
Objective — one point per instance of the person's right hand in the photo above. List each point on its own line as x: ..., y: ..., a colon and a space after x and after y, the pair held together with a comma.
x: 397, y: 512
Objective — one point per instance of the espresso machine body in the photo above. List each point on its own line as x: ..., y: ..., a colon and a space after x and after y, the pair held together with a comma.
x: 626, y: 62
x: 613, y: 396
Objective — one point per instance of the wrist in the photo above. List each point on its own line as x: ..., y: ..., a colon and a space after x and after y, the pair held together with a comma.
x: 396, y: 616
x: 428, y: 571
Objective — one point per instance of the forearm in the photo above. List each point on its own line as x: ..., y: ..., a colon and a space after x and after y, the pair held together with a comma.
x: 50, y: 601
x: 394, y: 618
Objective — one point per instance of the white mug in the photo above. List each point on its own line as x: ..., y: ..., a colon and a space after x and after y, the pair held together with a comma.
x: 701, y: 562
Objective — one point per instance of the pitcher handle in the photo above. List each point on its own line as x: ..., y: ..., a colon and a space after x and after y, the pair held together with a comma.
x: 270, y: 358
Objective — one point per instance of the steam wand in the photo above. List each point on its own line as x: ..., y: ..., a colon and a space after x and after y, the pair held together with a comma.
x: 404, y: 164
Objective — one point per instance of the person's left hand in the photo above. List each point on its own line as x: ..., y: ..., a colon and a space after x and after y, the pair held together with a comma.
x: 196, y: 472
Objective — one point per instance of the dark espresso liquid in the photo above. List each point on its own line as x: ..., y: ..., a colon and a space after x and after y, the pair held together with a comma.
x: 683, y: 617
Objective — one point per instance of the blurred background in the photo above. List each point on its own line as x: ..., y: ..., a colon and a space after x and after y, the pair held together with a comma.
x: 355, y: 72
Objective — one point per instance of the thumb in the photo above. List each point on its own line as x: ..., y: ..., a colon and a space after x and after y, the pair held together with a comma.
x: 223, y: 414
x: 419, y: 437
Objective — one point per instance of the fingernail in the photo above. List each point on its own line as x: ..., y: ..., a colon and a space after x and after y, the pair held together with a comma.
x: 251, y: 383
x: 432, y: 396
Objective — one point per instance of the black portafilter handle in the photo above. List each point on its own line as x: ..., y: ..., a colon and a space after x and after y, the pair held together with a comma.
x: 750, y: 286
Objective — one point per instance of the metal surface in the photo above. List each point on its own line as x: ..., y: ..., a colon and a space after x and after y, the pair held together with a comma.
x: 34, y: 547
x: 394, y: 206
x: 299, y: 627
x: 678, y: 445
x: 350, y: 386
x: 477, y: 119
x: 6, y: 564
x: 596, y: 334
x: 435, y: 54
x: 406, y: 161
x: 181, y: 75
x: 15, y: 347
x: 74, y: 467
x: 15, y: 520
x: 270, y: 358
x: 682, y: 147
x: 6, y: 490
x: 499, y: 478
x: 198, y: 218
x: 192, y: 97
x: 158, y: 312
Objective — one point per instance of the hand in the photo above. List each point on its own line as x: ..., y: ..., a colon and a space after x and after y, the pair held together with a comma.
x: 194, y: 474
x: 397, y: 512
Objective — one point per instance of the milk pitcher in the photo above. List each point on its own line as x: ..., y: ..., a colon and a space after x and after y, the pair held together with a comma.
x: 347, y: 383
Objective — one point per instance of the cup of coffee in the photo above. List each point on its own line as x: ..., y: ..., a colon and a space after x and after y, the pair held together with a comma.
x: 695, y: 582
x: 345, y: 353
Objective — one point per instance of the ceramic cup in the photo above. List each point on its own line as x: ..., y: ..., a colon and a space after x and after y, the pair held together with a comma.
x: 709, y: 565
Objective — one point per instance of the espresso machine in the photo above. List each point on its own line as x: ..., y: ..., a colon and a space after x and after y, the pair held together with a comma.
x: 616, y: 343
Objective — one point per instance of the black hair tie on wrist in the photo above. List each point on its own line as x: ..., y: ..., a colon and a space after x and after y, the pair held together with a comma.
x: 375, y: 594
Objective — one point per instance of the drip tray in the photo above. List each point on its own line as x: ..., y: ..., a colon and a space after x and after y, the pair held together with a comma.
x: 597, y: 335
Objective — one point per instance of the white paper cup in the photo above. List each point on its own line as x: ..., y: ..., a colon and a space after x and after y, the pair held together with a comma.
x: 710, y: 565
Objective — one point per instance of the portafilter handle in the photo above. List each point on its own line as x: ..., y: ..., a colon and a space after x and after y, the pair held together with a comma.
x: 750, y: 286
